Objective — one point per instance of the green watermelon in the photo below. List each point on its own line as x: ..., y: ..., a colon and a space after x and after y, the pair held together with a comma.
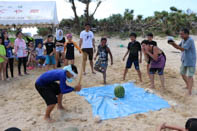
x: 119, y: 91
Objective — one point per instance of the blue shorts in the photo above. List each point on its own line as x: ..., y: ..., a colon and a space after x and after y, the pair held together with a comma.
x: 60, y: 49
x: 40, y: 57
x: 50, y: 60
x: 130, y: 62
x: 160, y: 71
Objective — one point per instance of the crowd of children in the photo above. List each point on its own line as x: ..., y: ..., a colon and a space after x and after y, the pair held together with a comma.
x: 50, y: 52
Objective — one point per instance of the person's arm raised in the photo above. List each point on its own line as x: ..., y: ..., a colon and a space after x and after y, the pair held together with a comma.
x: 45, y: 41
x: 176, y: 46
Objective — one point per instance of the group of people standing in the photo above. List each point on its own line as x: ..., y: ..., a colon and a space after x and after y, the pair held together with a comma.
x: 156, y: 58
x: 7, y: 55
x: 62, y: 49
x: 153, y: 55
x: 51, y: 52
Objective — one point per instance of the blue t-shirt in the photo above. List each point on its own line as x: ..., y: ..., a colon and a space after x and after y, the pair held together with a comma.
x: 188, y: 57
x: 9, y: 52
x: 52, y: 76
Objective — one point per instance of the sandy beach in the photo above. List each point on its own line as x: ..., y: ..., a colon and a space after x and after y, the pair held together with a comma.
x: 22, y: 106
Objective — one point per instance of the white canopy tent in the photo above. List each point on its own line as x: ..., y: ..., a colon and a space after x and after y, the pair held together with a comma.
x: 22, y: 14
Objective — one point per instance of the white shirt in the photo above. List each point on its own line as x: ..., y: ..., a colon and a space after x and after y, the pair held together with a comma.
x: 87, y: 39
x: 39, y: 51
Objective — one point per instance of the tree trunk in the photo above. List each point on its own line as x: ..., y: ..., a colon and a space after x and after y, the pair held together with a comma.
x: 77, y: 22
x: 91, y: 17
x: 87, y: 12
x: 98, y: 4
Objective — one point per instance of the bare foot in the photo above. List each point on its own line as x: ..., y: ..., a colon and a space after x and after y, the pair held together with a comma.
x: 185, y: 87
x: 190, y: 93
x: 60, y: 108
x: 49, y: 120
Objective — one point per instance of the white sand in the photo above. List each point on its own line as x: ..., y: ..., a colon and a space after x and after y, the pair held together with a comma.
x: 22, y: 107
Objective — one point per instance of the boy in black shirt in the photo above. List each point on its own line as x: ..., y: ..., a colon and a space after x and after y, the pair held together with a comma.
x: 134, y: 48
x: 50, y: 52
x: 149, y: 41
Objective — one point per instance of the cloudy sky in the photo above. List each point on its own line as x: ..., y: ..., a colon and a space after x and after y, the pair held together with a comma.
x: 109, y: 7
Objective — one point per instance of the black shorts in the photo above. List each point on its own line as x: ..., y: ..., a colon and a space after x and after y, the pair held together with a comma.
x: 90, y: 52
x: 130, y: 62
x: 160, y: 71
x: 49, y: 92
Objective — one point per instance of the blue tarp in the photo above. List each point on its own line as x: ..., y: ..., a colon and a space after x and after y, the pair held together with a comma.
x: 136, y: 100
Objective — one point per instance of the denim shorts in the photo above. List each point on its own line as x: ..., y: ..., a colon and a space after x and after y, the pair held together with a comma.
x: 187, y: 70
x: 130, y: 62
x: 50, y: 60
x: 40, y: 57
x: 60, y: 49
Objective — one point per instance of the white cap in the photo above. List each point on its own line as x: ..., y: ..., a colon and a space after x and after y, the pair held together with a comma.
x: 69, y: 69
x: 170, y: 38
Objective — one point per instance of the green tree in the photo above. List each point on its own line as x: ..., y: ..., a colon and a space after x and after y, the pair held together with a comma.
x: 87, y: 16
x: 44, y: 31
